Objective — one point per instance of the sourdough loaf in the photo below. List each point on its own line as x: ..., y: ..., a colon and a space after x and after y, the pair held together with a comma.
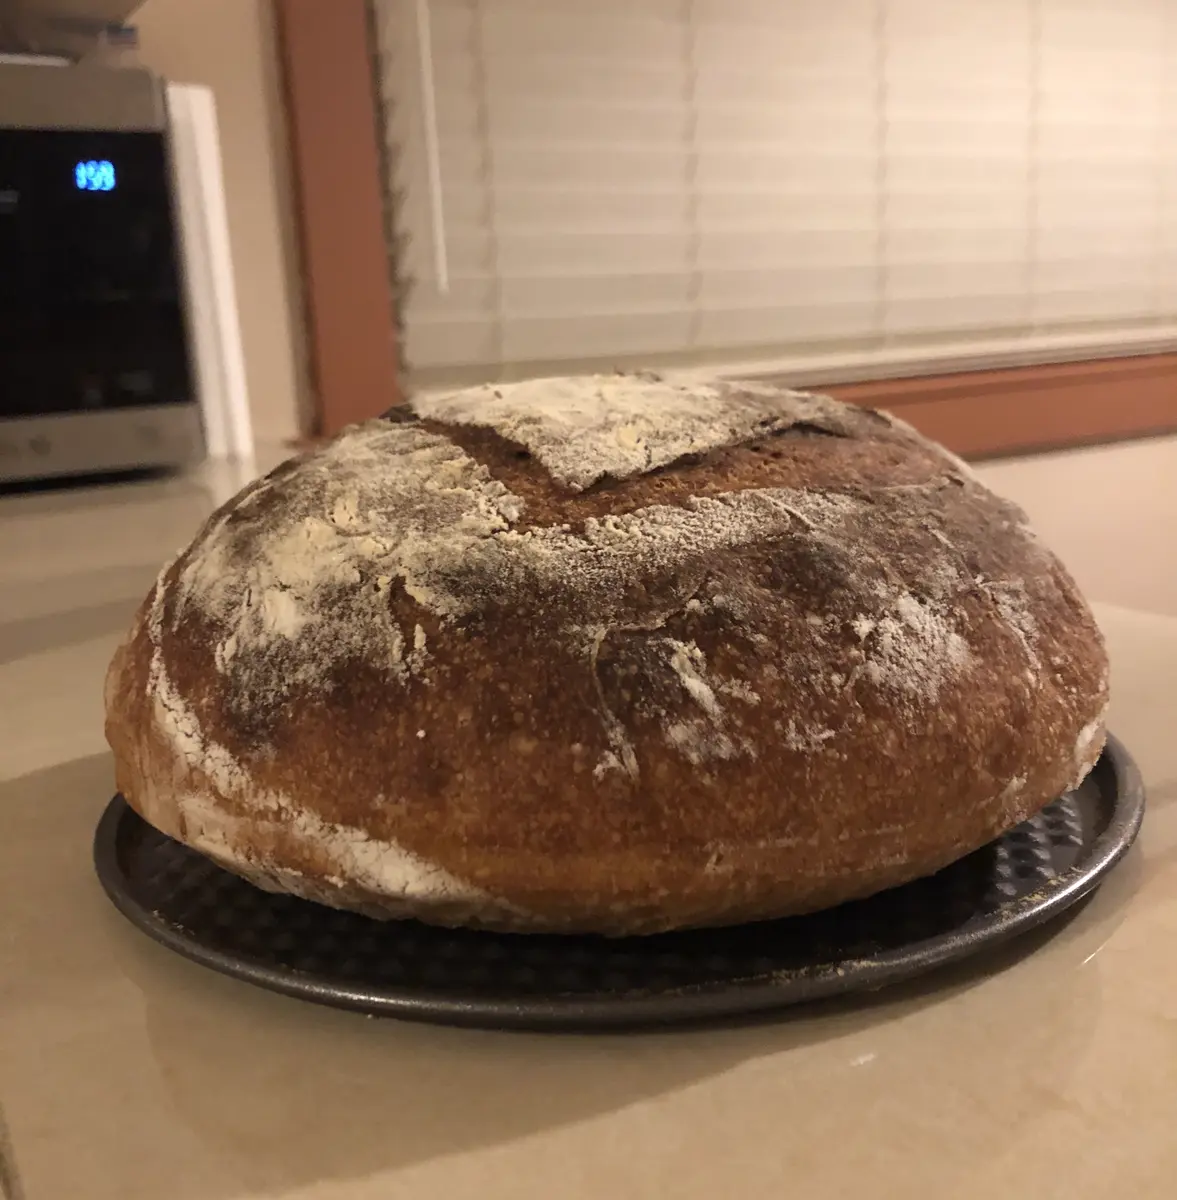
x: 608, y: 654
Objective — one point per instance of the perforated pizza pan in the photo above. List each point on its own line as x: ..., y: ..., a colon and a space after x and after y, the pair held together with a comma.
x: 411, y: 970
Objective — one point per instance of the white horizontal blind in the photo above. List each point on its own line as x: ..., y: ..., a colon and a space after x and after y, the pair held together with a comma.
x: 703, y: 182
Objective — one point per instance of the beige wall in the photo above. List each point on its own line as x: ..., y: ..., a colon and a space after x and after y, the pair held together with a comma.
x: 230, y: 46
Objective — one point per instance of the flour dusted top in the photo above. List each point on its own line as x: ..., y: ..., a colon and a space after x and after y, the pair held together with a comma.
x: 366, y: 550
x: 582, y: 429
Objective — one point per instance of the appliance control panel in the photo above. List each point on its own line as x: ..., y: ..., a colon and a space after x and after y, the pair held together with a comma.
x: 88, y: 443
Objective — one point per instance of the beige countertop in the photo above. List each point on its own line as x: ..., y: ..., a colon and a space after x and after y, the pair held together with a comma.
x: 128, y: 1073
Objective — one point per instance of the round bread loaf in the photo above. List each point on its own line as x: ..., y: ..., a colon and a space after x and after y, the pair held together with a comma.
x: 607, y: 654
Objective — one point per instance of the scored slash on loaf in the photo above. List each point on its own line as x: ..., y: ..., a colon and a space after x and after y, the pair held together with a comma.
x: 610, y: 654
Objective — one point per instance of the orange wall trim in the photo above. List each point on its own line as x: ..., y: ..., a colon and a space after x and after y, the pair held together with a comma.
x: 326, y: 59
x: 981, y: 413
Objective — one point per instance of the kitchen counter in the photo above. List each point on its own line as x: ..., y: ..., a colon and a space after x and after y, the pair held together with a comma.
x: 127, y: 1073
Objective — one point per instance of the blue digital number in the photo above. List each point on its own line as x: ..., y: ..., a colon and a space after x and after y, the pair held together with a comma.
x: 95, y: 175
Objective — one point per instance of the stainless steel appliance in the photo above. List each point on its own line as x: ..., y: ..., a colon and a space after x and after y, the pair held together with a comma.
x: 97, y: 371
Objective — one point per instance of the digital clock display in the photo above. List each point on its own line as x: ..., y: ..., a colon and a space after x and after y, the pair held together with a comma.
x: 95, y: 175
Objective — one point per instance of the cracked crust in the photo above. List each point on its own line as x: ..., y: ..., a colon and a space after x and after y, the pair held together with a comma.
x: 415, y: 673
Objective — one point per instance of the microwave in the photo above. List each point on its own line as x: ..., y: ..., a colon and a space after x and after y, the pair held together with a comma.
x: 101, y: 359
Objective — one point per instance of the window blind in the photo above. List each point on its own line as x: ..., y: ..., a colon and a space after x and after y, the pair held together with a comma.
x: 787, y: 183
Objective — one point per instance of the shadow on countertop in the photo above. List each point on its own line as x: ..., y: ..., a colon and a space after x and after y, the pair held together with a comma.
x: 36, y: 635
x: 48, y: 621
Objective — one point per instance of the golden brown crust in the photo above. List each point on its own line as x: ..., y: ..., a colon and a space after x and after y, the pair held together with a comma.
x: 775, y: 724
